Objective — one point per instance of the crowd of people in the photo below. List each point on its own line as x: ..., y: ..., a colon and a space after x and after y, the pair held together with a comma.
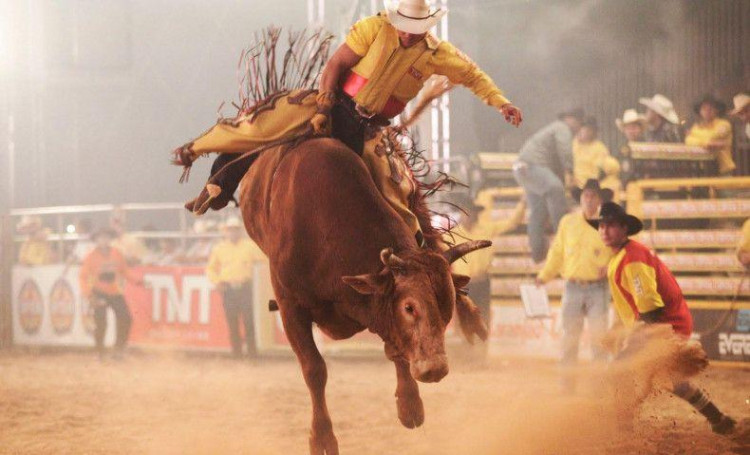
x: 567, y: 153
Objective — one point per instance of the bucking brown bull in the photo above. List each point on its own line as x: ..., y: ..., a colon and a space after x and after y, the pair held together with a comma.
x: 343, y: 259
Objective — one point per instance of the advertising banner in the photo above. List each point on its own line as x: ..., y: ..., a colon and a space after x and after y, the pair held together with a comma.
x: 724, y: 333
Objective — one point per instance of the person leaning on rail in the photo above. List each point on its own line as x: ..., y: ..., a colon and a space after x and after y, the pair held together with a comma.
x: 581, y: 259
x: 538, y: 172
x: 645, y: 291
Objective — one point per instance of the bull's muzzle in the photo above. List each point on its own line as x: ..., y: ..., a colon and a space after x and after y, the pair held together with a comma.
x: 432, y: 369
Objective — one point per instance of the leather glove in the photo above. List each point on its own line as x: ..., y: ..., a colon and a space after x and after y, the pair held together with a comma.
x: 321, y: 124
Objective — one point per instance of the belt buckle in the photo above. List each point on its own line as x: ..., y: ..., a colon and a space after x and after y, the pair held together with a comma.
x: 363, y: 112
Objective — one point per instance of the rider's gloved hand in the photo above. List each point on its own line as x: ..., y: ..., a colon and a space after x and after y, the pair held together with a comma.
x: 321, y: 121
x: 321, y: 124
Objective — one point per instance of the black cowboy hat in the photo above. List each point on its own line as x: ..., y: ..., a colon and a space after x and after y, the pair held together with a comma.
x: 611, y: 212
x: 575, y: 112
x: 593, y: 184
x: 105, y: 231
x: 712, y: 100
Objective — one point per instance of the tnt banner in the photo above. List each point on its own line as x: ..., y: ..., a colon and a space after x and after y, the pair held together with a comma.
x: 48, y: 309
x: 724, y: 333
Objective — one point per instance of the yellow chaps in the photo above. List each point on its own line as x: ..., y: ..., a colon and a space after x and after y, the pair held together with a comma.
x: 287, y: 115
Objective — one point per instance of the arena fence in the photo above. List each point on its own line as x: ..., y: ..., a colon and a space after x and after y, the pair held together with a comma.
x: 692, y: 224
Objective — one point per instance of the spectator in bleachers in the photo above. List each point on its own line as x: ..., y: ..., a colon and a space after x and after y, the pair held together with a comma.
x: 632, y: 125
x: 230, y: 269
x: 543, y: 153
x: 101, y: 277
x: 743, y: 249
x: 588, y: 152
x: 713, y: 132
x: 35, y: 250
x: 611, y: 180
x: 742, y: 110
x: 662, y: 121
x: 478, y: 224
x: 580, y: 257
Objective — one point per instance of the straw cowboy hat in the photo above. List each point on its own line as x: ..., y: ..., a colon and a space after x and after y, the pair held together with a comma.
x: 628, y: 117
x: 741, y: 100
x: 413, y: 16
x: 611, y: 212
x: 662, y: 106
x: 29, y: 223
x: 232, y: 223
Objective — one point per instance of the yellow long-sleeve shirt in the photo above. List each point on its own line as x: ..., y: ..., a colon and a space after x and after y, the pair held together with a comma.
x: 577, y: 252
x: 718, y: 130
x: 389, y: 71
x: 588, y: 160
x: 232, y: 263
x: 744, y: 245
x: 485, y: 228
x: 35, y: 252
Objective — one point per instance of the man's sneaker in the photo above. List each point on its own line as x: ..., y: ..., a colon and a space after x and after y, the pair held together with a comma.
x: 724, y: 426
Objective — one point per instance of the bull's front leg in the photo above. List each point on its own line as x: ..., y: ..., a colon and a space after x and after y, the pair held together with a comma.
x: 298, y: 328
x: 408, y: 402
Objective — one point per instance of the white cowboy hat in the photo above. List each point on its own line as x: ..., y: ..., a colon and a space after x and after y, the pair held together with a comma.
x: 628, y: 117
x: 413, y: 16
x: 741, y: 100
x: 232, y: 223
x: 662, y: 106
x: 29, y: 223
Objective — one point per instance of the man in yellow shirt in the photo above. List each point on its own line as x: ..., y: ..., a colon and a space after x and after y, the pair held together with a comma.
x: 383, y: 64
x: 35, y: 250
x: 589, y: 153
x: 580, y: 257
x: 476, y: 225
x: 743, y: 249
x: 713, y: 133
x: 230, y: 269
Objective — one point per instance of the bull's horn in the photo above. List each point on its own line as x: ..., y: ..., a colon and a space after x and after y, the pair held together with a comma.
x: 391, y: 260
x: 459, y: 251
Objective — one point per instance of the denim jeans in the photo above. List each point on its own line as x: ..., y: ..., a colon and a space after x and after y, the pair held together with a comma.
x: 238, y: 309
x: 584, y: 301
x: 545, y: 197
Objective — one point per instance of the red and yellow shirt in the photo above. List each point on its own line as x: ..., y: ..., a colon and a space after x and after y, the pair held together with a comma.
x: 389, y: 75
x: 641, y: 283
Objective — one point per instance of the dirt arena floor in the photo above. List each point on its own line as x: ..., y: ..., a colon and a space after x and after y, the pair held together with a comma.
x: 157, y: 403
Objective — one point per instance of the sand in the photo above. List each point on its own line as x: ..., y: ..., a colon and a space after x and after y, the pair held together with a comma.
x: 160, y: 403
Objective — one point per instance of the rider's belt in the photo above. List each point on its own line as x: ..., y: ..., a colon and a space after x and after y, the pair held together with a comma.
x: 354, y: 83
x: 356, y: 112
x: 586, y: 283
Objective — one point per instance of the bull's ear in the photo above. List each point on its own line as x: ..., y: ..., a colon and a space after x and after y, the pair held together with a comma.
x: 365, y: 284
x: 460, y: 281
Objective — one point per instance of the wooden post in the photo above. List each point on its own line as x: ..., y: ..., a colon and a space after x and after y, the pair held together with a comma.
x: 6, y: 268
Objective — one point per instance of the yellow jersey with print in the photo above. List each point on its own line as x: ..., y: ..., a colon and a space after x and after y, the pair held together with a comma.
x: 232, y: 262
x: 588, y: 160
x: 476, y: 264
x: 577, y: 252
x: 718, y: 130
x: 641, y: 283
x: 744, y: 246
x: 389, y: 75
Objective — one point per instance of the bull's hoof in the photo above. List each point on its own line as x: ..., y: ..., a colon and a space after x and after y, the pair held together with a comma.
x: 410, y: 411
x: 324, y: 444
